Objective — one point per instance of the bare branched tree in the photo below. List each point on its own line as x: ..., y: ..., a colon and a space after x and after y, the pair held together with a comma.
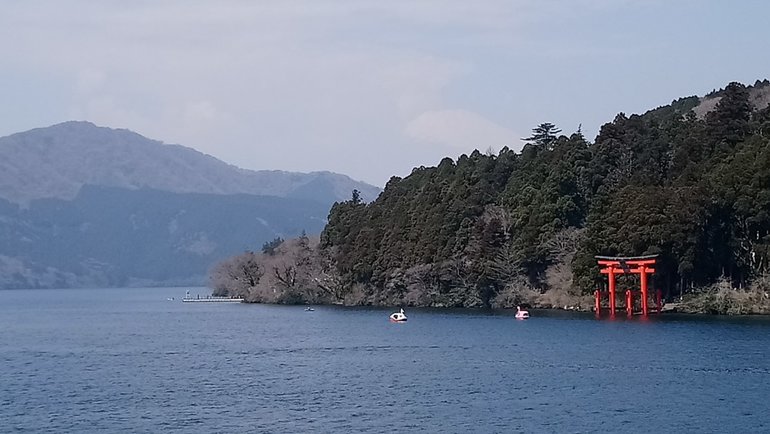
x: 235, y: 276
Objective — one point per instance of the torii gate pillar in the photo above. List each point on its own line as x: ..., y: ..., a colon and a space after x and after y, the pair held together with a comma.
x: 642, y: 265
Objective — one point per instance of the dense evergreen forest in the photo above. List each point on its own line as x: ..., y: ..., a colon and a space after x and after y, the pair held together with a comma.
x: 689, y: 184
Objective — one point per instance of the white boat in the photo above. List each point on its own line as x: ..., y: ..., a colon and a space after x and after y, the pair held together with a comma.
x: 521, y: 314
x: 398, y: 316
x: 309, y: 309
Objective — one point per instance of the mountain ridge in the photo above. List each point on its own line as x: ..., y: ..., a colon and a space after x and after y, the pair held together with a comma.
x: 89, y: 206
x: 56, y: 161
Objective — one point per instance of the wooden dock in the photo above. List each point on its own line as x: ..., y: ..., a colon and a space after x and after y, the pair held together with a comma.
x: 211, y: 299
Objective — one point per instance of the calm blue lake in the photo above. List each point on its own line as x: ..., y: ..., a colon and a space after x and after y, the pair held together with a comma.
x: 130, y: 360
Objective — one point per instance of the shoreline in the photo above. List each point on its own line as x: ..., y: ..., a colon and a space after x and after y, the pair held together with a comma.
x: 678, y: 308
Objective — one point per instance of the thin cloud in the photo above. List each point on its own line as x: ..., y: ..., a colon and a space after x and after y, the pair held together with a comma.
x: 461, y: 129
x: 331, y: 84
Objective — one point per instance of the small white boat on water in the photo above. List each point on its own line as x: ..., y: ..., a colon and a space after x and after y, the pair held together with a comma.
x: 521, y: 313
x: 398, y: 316
x: 309, y: 309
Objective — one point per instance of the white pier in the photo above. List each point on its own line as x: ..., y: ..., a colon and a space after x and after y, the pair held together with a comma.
x: 210, y: 299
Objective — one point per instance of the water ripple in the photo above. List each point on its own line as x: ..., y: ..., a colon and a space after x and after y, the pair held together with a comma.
x: 130, y: 361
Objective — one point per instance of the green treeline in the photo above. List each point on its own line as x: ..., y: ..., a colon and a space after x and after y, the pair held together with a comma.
x: 496, y: 230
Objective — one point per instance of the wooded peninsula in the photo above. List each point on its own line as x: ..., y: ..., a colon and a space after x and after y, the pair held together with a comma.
x: 689, y: 182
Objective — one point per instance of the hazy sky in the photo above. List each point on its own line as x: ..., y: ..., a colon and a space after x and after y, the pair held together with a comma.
x: 370, y: 89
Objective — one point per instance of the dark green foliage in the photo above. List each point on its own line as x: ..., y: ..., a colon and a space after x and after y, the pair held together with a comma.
x: 728, y: 124
x: 693, y: 190
x: 544, y: 135
x: 678, y: 107
x: 269, y: 247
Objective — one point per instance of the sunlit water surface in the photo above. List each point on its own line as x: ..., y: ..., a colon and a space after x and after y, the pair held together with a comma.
x: 132, y: 360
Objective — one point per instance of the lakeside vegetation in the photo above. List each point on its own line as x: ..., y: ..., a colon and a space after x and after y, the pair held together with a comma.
x: 497, y: 230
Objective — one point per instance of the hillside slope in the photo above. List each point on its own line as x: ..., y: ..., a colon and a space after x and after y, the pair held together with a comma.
x: 108, y: 237
x: 55, y: 162
x: 82, y: 205
x: 498, y: 230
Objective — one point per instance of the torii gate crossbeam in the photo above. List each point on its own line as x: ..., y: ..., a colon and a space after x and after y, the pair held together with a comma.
x: 613, y: 266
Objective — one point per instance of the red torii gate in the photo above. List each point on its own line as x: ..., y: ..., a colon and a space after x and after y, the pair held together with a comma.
x: 623, y: 265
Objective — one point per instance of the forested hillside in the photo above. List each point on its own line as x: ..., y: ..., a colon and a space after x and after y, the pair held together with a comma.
x: 493, y: 230
x: 88, y: 206
x: 113, y: 237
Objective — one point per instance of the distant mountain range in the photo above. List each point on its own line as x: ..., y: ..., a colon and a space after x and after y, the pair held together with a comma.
x: 82, y: 205
x: 55, y: 162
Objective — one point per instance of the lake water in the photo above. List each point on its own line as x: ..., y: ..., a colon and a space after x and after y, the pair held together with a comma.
x: 129, y: 360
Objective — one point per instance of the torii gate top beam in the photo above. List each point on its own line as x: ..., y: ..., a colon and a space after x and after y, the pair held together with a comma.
x: 625, y: 261
x: 626, y: 258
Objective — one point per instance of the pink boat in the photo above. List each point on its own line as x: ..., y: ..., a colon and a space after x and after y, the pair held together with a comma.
x: 521, y: 314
